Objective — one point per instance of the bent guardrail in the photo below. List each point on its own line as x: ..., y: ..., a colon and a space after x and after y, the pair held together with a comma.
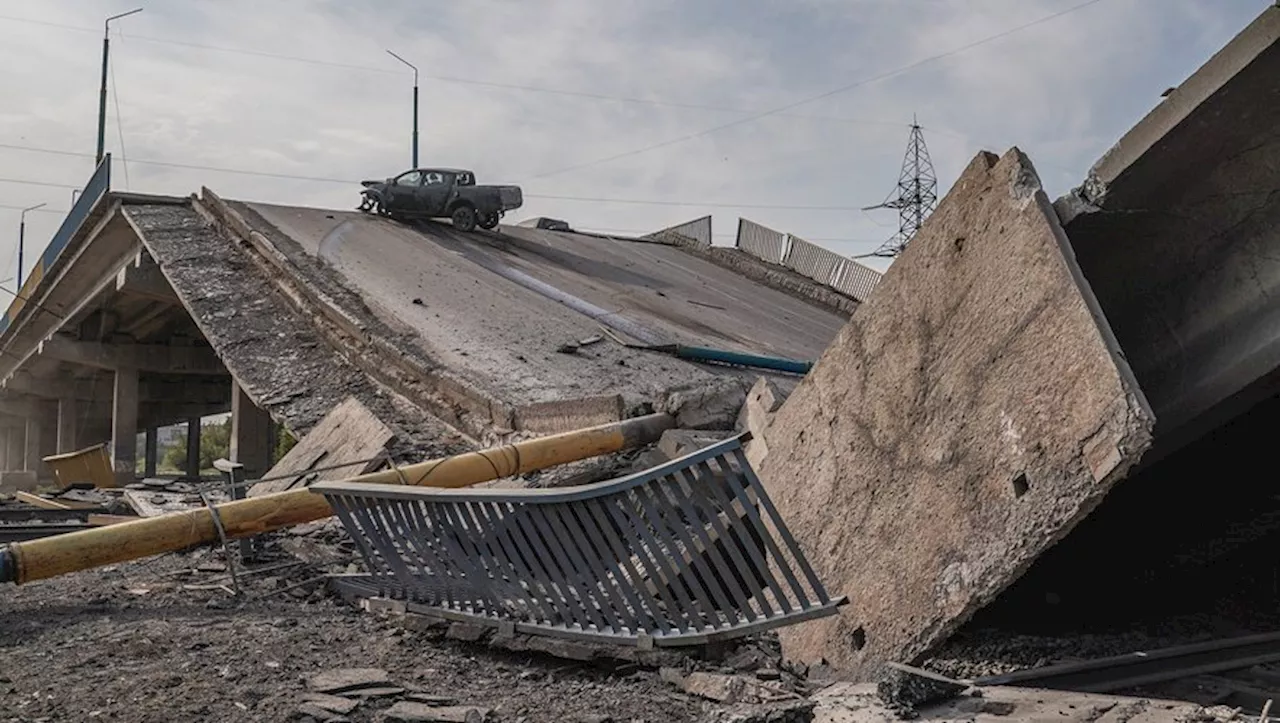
x: 681, y: 554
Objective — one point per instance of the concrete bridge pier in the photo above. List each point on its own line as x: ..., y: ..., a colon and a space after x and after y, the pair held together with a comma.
x: 250, y: 434
x: 15, y: 436
x: 193, y: 448
x: 124, y: 425
x: 151, y: 452
x: 68, y: 422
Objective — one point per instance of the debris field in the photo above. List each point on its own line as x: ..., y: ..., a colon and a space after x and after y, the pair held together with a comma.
x: 541, y: 475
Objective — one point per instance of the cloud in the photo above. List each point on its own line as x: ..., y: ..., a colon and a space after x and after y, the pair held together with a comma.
x: 1063, y: 91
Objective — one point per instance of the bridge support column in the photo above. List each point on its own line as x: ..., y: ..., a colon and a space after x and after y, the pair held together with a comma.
x: 250, y: 434
x: 48, y: 420
x: 124, y: 425
x: 193, y: 448
x: 14, y: 444
x: 68, y: 421
x: 31, y: 448
x: 152, y: 452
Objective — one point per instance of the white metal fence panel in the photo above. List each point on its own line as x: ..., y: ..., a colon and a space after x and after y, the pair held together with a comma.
x: 856, y: 280
x: 813, y: 261
x: 761, y: 241
x: 697, y: 232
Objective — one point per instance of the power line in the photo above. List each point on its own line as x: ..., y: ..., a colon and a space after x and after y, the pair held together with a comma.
x: 38, y: 210
x: 690, y: 204
x: 187, y: 166
x: 347, y: 181
x: 36, y: 183
x: 780, y: 109
x: 639, y: 232
x: 454, y: 79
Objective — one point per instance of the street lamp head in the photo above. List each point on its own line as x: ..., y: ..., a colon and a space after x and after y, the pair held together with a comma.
x: 107, y: 25
x: 411, y: 65
x: 124, y: 15
x: 32, y: 208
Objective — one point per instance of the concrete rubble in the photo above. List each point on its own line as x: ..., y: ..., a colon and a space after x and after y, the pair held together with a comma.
x: 859, y: 703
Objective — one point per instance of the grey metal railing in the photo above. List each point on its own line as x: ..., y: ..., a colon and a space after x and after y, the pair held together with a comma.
x: 761, y: 242
x: 98, y: 186
x: 812, y: 261
x: 856, y: 280
x: 696, y: 232
x: 681, y: 554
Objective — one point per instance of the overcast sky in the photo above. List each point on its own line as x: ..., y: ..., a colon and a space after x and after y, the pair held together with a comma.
x: 627, y: 75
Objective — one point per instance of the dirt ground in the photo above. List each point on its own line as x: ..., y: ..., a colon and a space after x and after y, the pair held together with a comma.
x: 136, y: 643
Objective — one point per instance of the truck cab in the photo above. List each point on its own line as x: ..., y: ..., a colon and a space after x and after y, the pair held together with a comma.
x: 440, y: 193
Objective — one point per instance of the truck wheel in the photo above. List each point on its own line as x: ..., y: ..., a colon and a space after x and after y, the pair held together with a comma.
x: 488, y: 221
x: 464, y: 218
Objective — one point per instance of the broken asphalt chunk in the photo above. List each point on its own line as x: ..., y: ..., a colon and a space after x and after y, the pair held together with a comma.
x: 331, y: 703
x: 411, y: 712
x: 341, y: 680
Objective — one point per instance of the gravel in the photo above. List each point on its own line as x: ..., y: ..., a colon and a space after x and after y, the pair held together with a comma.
x: 146, y: 641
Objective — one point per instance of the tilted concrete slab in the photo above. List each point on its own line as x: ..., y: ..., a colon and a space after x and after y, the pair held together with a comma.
x: 494, y: 308
x: 1178, y: 232
x: 274, y: 352
x: 967, y: 417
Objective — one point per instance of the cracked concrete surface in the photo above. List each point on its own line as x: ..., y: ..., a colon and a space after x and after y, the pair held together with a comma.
x: 496, y: 308
x: 284, y: 365
x: 967, y: 417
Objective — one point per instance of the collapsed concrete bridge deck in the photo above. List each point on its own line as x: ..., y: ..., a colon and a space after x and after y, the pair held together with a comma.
x: 164, y: 309
x: 495, y: 308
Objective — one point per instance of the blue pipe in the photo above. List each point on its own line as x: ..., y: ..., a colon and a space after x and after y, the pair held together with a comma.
x: 706, y: 354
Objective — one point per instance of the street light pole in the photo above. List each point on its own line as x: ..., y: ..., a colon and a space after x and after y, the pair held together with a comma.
x: 102, y: 95
x: 22, y: 233
x: 415, y: 105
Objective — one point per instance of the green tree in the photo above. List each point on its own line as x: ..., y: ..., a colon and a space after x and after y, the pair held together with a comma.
x: 215, y: 442
x: 284, y: 442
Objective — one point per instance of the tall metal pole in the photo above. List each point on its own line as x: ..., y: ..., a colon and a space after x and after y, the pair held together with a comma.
x: 22, y: 238
x: 102, y: 94
x: 415, y: 104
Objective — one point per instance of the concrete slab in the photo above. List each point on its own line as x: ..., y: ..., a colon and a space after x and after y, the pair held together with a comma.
x: 276, y: 354
x: 496, y: 307
x: 857, y: 703
x: 349, y: 441
x: 969, y: 415
x: 1176, y: 230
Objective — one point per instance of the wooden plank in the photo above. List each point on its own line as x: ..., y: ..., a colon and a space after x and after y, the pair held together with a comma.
x: 48, y: 504
x: 349, y: 433
x: 104, y: 520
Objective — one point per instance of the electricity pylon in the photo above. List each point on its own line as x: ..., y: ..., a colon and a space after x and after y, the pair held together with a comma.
x: 917, y: 194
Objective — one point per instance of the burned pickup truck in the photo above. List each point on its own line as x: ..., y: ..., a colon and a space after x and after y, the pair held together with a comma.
x: 440, y: 193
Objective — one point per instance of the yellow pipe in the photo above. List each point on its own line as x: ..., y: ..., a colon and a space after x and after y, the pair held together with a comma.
x: 51, y: 556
